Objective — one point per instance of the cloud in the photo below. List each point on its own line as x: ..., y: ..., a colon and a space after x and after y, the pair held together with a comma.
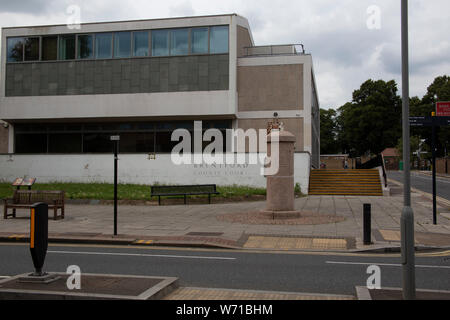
x: 25, y: 6
x: 344, y: 50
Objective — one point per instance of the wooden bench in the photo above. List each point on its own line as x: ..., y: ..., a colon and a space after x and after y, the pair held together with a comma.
x: 159, y: 191
x: 24, y: 199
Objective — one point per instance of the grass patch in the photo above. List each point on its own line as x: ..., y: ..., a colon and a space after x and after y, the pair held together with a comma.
x: 105, y: 191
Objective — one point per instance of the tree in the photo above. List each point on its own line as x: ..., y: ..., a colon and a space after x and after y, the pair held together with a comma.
x: 439, y: 90
x: 372, y: 121
x: 328, y: 132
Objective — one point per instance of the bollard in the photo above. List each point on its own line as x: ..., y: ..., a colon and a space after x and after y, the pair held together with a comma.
x: 39, y: 236
x: 39, y: 244
x: 367, y: 224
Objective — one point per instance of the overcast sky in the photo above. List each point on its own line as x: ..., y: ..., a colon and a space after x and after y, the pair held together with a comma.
x: 348, y: 43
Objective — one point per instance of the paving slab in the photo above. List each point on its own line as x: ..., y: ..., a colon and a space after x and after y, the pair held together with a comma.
x: 188, y: 293
x: 194, y: 224
x: 364, y: 293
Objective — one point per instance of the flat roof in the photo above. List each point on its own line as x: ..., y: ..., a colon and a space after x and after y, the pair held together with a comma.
x: 130, y: 21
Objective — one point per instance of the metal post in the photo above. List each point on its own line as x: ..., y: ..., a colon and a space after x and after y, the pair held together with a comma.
x: 367, y: 224
x: 115, y: 186
x: 407, y: 217
x: 433, y: 152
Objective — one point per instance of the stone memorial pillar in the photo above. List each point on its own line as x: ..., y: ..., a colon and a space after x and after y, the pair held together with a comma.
x: 280, y: 186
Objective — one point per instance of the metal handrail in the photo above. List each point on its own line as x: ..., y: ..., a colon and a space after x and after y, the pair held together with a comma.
x: 278, y: 45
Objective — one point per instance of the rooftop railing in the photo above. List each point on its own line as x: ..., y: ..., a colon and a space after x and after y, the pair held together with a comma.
x: 284, y: 49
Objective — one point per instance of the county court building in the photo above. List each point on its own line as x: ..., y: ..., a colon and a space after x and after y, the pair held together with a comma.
x: 65, y: 91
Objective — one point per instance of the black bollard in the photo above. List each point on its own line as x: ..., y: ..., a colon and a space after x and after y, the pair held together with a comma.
x: 39, y: 236
x: 39, y: 244
x: 367, y: 224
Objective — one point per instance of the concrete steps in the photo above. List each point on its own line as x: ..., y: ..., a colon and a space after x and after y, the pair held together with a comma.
x: 364, y: 182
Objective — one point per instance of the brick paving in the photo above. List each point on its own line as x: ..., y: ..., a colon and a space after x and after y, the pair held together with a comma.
x: 187, y: 293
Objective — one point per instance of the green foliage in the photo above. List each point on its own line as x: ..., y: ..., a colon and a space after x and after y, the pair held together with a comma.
x: 439, y: 90
x: 328, y: 132
x: 372, y: 121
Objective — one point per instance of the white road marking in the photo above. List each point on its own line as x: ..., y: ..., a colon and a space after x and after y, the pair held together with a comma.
x: 141, y: 255
x: 385, y: 264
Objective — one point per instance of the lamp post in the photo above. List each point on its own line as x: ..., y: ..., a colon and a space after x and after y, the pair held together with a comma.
x: 407, y: 217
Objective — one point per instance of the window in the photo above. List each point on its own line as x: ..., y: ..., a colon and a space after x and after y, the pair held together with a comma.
x: 64, y: 143
x: 67, y: 47
x: 199, y: 40
x: 140, y: 44
x: 122, y: 44
x: 31, y: 49
x: 15, y: 49
x: 31, y: 143
x: 160, y: 43
x: 179, y: 42
x: 136, y: 142
x: 97, y: 143
x: 85, y: 45
x: 218, y: 42
x: 49, y: 48
x: 103, y: 45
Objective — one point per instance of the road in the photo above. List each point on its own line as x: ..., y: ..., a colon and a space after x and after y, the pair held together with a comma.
x: 424, y: 183
x: 233, y: 269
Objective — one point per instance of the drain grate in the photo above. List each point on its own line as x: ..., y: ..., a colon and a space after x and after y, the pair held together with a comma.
x: 205, y: 234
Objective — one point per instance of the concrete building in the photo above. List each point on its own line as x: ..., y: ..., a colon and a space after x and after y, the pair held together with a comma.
x: 65, y: 91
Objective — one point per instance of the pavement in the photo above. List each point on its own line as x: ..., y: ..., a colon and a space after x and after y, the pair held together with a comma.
x: 327, y: 223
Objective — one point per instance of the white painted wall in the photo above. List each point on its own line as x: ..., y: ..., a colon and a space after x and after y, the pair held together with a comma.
x: 138, y: 169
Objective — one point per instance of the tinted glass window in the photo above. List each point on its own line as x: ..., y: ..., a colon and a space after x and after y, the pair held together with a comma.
x: 31, y: 143
x: 97, y: 143
x: 15, y: 49
x: 122, y: 44
x: 103, y: 45
x: 179, y: 42
x: 140, y: 44
x: 164, y: 143
x: 31, y: 49
x: 67, y: 47
x: 64, y: 143
x: 85, y: 48
x: 219, y: 39
x: 160, y: 42
x: 199, y: 40
x: 136, y: 142
x: 49, y: 48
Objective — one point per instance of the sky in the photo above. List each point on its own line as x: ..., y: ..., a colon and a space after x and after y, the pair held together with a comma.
x: 350, y: 40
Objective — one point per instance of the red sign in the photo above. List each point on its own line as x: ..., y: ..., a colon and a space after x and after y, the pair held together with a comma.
x: 443, y: 109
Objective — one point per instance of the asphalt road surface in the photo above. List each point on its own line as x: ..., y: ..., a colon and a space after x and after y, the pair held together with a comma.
x: 256, y: 270
x: 424, y: 183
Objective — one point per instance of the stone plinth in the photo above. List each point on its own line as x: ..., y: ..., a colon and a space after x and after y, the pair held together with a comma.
x: 280, y: 185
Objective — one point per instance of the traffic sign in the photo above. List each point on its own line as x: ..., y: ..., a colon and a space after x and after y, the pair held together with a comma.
x: 443, y: 109
x: 429, y: 121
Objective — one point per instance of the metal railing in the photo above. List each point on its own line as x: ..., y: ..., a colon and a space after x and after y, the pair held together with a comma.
x: 284, y: 49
